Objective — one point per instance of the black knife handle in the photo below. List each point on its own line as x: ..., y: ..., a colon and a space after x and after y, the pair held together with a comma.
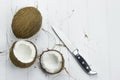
x: 82, y: 61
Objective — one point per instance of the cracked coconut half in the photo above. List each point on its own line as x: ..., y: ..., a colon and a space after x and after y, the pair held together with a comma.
x: 52, y: 61
x: 23, y: 53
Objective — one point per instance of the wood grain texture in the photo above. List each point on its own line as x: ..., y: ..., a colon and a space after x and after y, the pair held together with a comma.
x: 84, y: 22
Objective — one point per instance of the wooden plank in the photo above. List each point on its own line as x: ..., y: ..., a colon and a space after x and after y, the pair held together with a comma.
x: 113, y: 33
x: 84, y: 22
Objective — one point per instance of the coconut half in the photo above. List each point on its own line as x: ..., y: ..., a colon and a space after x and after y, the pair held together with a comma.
x: 23, y: 53
x: 52, y: 61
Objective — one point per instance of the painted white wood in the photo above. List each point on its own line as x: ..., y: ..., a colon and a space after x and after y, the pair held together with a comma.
x: 114, y: 38
x: 92, y: 25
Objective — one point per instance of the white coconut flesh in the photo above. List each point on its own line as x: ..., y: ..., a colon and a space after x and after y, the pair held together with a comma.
x: 24, y: 51
x: 51, y: 61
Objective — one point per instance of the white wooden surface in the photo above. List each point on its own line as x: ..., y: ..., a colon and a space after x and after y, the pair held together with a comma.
x: 99, y: 19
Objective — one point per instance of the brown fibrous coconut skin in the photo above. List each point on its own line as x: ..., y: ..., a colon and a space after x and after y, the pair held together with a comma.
x: 18, y: 63
x: 62, y: 60
x: 26, y: 22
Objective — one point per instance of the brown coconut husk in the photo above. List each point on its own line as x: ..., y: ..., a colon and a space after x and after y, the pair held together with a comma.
x: 26, y: 22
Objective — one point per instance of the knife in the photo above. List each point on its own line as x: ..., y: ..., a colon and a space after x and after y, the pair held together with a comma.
x: 74, y: 51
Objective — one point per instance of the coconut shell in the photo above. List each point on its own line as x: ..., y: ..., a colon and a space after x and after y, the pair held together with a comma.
x: 62, y: 60
x: 26, y: 22
x: 18, y: 63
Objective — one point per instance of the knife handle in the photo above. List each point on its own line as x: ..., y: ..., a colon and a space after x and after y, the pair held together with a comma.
x: 82, y: 61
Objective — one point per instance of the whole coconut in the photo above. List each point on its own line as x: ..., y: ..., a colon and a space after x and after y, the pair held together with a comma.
x: 26, y: 22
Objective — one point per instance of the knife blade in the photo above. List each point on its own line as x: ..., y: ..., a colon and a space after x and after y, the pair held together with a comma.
x: 74, y: 50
